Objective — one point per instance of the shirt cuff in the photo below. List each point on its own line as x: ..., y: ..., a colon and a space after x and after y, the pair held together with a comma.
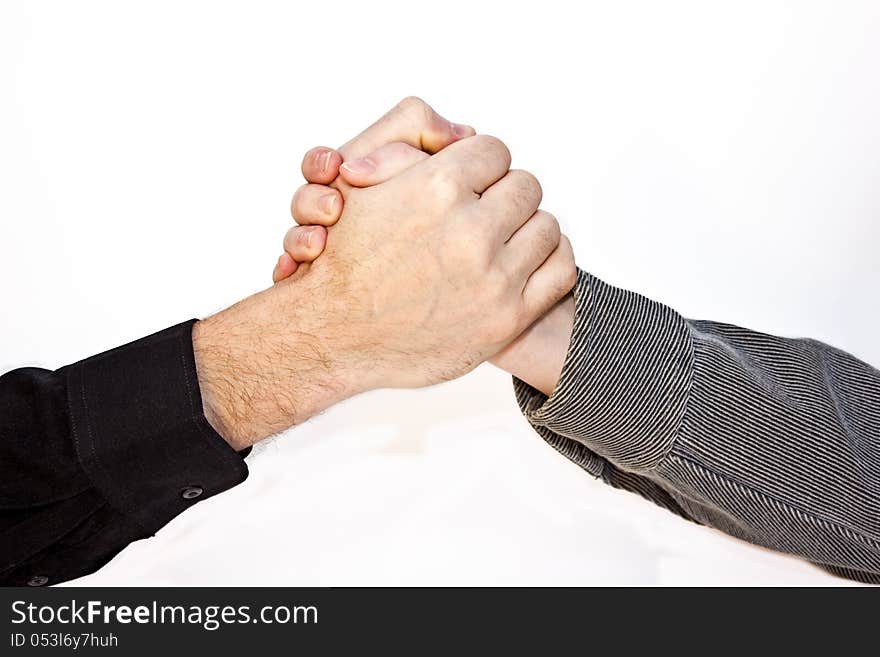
x: 140, y: 432
x: 625, y: 382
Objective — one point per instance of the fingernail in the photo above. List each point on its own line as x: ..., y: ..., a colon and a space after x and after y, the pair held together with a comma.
x: 327, y: 203
x: 325, y: 161
x: 460, y: 130
x: 322, y: 160
x: 306, y: 236
x: 361, y: 166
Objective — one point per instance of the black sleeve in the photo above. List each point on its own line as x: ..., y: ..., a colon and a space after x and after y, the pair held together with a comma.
x: 102, y: 453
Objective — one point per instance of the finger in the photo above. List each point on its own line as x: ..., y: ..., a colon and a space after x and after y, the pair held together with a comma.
x: 305, y: 243
x: 475, y: 163
x: 316, y: 205
x: 530, y: 246
x: 321, y: 165
x: 550, y: 282
x: 411, y: 121
x: 513, y: 200
x: 284, y: 267
x: 382, y: 164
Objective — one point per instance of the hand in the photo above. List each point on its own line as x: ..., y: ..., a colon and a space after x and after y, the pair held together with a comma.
x: 411, y: 123
x: 428, y: 274
x: 447, y: 250
x: 536, y: 356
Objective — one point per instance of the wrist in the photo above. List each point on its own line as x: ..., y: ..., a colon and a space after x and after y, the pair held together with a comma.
x: 263, y: 369
x: 538, y: 355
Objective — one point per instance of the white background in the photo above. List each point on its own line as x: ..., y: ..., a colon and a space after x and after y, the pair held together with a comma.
x: 721, y: 157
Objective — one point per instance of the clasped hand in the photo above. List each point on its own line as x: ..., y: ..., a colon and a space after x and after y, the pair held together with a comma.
x: 434, y: 257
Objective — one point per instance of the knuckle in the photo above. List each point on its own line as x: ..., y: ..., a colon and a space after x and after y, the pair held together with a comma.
x: 416, y: 108
x: 549, y: 230
x: 525, y: 190
x: 531, y: 187
x: 565, y: 243
x: 564, y: 280
x: 442, y: 187
x: 543, y: 232
x: 410, y: 102
x: 494, y: 146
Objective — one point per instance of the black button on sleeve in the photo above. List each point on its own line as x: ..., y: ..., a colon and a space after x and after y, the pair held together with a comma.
x: 137, y: 423
x: 102, y: 453
x: 192, y: 492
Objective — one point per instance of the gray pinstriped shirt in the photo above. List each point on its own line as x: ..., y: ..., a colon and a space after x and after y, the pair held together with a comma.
x: 775, y: 441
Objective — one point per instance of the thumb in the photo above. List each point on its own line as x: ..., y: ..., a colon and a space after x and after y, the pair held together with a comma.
x: 382, y: 164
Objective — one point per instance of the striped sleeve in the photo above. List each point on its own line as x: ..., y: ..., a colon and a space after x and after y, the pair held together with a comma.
x: 774, y: 441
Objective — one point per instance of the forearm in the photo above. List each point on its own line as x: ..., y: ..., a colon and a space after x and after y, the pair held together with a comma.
x: 262, y: 370
x: 108, y: 450
x: 769, y: 439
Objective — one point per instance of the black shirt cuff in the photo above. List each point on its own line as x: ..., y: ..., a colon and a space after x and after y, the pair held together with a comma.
x: 140, y: 432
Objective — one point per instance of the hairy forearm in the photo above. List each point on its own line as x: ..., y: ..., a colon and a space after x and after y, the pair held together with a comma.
x: 262, y: 371
x: 537, y: 356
